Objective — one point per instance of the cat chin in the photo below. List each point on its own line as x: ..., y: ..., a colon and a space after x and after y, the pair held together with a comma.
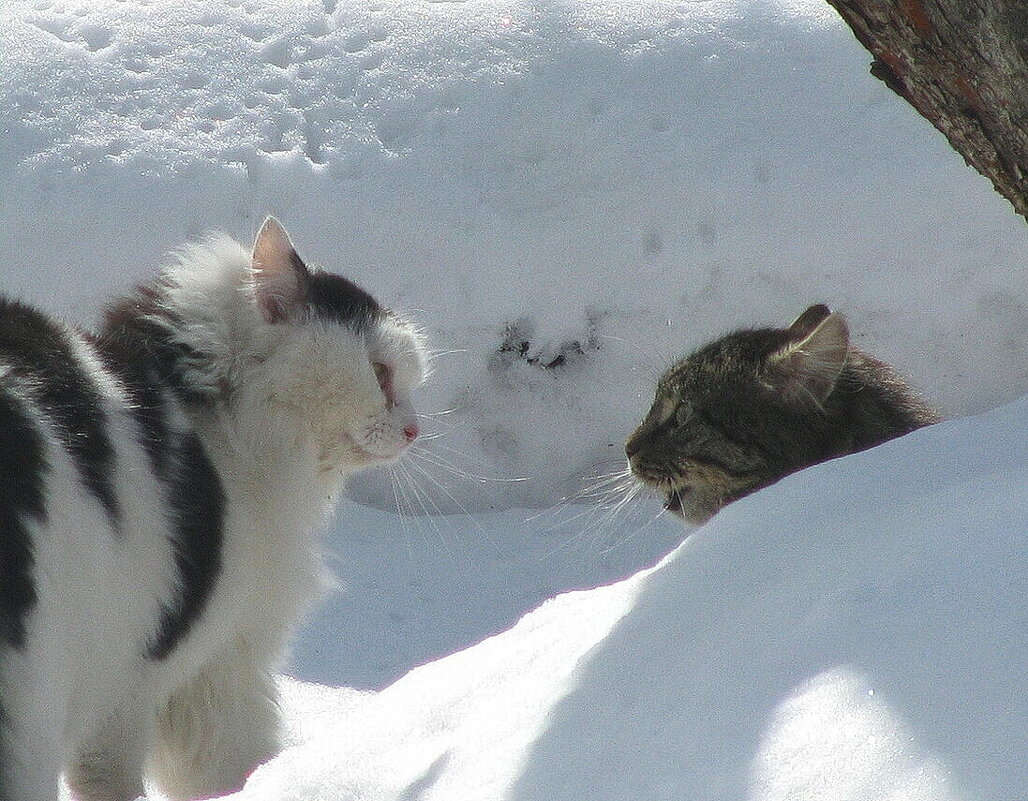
x: 673, y: 504
x: 695, y: 517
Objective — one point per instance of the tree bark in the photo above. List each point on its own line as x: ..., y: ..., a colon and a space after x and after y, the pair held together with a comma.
x: 963, y: 64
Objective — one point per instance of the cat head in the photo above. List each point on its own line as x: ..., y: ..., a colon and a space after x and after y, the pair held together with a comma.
x: 346, y: 363
x: 302, y: 358
x: 739, y: 413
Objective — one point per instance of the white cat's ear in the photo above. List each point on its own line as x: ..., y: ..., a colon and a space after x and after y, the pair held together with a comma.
x: 280, y: 278
x: 810, y: 365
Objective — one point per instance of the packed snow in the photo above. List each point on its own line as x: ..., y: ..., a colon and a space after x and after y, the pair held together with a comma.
x: 566, y: 196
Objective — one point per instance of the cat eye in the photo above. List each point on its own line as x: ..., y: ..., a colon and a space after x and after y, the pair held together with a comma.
x: 385, y: 380
x: 662, y: 411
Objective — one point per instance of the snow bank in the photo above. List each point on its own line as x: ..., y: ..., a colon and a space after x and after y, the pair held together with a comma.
x: 855, y: 633
x: 456, y: 728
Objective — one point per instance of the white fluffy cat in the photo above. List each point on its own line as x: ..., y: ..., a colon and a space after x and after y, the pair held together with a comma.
x: 159, y: 485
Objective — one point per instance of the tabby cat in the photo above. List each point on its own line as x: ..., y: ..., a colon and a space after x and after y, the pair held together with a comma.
x: 159, y: 484
x: 756, y: 405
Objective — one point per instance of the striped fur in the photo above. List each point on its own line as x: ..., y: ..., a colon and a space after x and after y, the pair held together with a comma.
x: 160, y: 484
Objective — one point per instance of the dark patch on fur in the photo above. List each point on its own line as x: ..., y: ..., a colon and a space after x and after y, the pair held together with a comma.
x: 138, y: 348
x: 23, y: 469
x: 39, y: 352
x: 142, y: 330
x: 339, y: 300
x: 335, y: 299
x: 128, y: 352
x: 4, y: 795
x: 4, y: 792
x: 198, y: 503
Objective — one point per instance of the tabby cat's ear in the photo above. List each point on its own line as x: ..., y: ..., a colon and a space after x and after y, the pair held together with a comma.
x: 280, y: 278
x: 809, y: 320
x: 809, y: 366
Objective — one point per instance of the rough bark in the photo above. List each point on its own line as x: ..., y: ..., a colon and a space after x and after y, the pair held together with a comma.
x: 963, y: 64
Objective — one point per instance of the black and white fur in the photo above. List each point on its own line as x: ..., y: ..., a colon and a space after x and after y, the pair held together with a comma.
x: 159, y: 485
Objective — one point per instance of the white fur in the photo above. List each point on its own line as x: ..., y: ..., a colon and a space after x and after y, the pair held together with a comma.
x: 293, y: 409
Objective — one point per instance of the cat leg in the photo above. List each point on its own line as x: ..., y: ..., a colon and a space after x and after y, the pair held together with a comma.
x: 31, y: 723
x: 217, y: 729
x: 28, y: 776
x: 109, y: 767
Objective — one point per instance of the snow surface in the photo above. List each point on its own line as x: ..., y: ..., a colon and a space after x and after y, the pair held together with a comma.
x: 855, y: 632
x: 567, y: 195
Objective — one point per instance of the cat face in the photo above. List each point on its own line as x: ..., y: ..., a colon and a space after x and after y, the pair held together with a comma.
x: 688, y: 458
x: 739, y: 414
x: 341, y: 367
x: 348, y: 393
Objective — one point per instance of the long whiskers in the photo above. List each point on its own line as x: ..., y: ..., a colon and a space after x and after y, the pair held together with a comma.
x: 600, y: 514
x: 597, y: 488
x: 601, y: 507
x: 438, y: 460
x: 631, y: 534
x: 446, y: 491
x: 441, y: 413
x: 408, y: 487
x: 427, y: 483
x: 646, y: 357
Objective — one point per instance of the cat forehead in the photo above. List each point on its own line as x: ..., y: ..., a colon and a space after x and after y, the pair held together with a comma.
x: 733, y: 356
x: 741, y: 348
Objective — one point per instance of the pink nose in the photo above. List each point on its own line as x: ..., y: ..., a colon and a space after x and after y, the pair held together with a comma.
x: 410, y: 432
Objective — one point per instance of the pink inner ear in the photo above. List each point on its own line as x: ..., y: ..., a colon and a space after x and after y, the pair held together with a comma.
x: 280, y: 278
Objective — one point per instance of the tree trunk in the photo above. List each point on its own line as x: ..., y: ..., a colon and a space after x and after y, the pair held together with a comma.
x: 963, y: 64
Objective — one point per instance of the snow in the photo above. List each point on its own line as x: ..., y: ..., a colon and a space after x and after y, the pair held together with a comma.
x: 567, y: 196
x: 855, y: 632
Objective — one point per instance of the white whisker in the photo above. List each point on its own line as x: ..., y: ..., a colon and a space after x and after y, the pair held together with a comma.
x: 443, y: 413
x: 628, y: 537
x: 439, y: 461
x: 435, y: 354
x: 425, y: 502
x: 647, y: 357
x: 435, y: 453
x: 603, y: 500
x: 439, y: 485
